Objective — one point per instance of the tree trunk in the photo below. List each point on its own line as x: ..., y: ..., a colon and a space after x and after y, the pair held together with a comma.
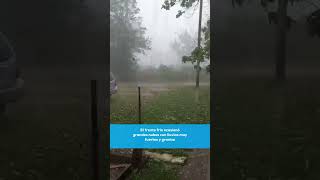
x: 281, y: 33
x: 197, y: 74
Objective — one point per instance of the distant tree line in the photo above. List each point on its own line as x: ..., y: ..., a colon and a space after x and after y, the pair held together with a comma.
x: 164, y: 73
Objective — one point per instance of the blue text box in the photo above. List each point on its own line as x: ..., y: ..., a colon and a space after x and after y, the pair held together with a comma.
x: 159, y: 136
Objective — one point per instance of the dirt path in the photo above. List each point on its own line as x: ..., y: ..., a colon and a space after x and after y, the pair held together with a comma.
x: 197, y: 167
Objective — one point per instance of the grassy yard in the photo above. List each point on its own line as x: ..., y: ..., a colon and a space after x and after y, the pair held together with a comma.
x: 173, y: 105
x: 158, y: 170
x: 161, y: 104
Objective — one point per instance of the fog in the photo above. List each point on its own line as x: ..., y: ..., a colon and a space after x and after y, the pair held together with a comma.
x: 144, y: 37
x: 163, y: 27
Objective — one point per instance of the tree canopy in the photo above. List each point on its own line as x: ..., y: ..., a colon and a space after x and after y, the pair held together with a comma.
x: 127, y: 37
x: 313, y: 19
x: 197, y: 54
x: 184, y: 44
x: 201, y: 53
x: 185, y: 4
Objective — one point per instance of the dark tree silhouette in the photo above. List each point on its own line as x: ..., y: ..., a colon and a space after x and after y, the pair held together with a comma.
x: 127, y: 37
x: 283, y: 23
x: 314, y: 23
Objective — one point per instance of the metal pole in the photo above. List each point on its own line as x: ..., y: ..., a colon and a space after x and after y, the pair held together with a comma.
x: 199, y: 44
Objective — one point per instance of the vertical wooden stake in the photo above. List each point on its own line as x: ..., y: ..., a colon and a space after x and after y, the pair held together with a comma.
x: 137, y: 153
x: 140, y: 122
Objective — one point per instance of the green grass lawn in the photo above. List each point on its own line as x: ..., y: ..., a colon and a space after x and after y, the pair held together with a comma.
x: 174, y: 106
x: 177, y: 105
x: 158, y: 170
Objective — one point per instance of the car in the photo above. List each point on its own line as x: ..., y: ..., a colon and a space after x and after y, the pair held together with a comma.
x: 113, y: 84
x: 11, y: 82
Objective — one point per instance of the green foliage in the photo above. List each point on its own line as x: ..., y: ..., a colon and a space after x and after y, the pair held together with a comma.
x: 200, y: 54
x: 206, y: 31
x: 196, y: 55
x: 185, y: 4
x: 158, y: 170
x: 127, y: 37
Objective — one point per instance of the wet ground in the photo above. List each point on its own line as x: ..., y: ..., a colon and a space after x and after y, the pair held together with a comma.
x: 197, y: 165
x: 161, y: 103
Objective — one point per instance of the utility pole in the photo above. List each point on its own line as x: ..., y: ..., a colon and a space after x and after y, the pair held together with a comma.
x: 199, y: 46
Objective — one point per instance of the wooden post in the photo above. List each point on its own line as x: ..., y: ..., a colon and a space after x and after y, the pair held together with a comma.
x: 139, y: 92
x: 137, y: 153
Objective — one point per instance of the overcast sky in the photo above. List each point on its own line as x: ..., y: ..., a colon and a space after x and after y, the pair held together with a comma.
x: 162, y: 28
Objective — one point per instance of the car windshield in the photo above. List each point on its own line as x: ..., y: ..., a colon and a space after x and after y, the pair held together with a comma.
x: 5, y: 50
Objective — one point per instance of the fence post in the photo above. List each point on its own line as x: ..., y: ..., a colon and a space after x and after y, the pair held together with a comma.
x: 137, y: 153
x: 140, y: 122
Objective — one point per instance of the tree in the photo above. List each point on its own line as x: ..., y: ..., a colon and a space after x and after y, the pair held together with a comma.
x: 127, y: 37
x: 202, y: 53
x: 184, y: 44
x: 185, y: 4
x: 198, y: 54
x: 206, y: 48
